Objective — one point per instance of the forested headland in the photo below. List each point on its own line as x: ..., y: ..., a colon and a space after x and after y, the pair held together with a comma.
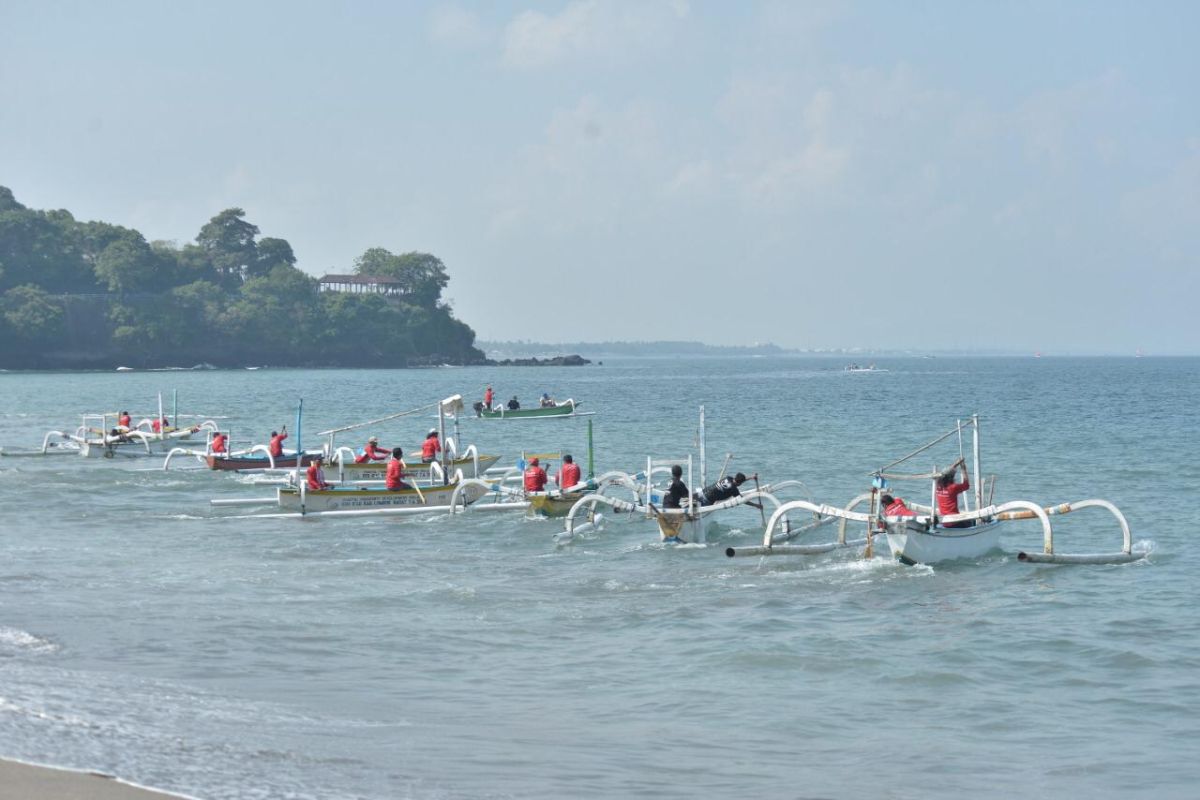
x: 81, y: 295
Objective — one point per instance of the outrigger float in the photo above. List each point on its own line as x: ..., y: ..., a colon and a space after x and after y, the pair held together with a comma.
x: 925, y: 537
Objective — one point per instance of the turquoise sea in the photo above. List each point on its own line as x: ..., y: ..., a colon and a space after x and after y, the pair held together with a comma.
x: 146, y: 634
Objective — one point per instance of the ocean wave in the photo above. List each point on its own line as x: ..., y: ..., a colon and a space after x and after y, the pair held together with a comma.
x: 15, y: 640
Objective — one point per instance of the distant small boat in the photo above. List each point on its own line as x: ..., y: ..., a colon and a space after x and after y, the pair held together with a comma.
x: 124, y: 369
x: 564, y: 409
x: 869, y: 368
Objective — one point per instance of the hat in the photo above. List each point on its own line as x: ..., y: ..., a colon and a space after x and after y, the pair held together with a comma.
x: 432, y: 430
x: 374, y: 439
x: 533, y: 462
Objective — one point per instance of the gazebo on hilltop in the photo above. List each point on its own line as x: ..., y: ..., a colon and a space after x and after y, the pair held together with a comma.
x: 362, y: 284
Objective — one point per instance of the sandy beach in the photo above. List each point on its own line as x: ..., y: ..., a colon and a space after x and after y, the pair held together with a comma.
x: 19, y: 781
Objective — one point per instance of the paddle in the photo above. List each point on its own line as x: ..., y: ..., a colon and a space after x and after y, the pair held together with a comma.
x: 404, y: 466
x: 660, y: 517
x: 761, y: 511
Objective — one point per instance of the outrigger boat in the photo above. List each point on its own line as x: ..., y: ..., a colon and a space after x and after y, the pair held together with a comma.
x: 100, y: 436
x: 362, y: 498
x: 566, y: 408
x: 925, y: 537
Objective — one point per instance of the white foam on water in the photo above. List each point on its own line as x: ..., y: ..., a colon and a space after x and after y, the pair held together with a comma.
x: 15, y: 640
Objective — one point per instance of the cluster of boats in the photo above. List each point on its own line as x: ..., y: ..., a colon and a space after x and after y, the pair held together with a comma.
x: 463, y: 479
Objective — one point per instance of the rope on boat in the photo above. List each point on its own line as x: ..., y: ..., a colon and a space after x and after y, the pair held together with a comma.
x: 918, y: 451
x: 377, y: 421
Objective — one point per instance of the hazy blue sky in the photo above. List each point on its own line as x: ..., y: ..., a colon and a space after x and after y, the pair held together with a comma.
x: 897, y: 174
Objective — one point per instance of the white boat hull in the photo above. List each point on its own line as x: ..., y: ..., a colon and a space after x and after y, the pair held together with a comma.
x: 911, y: 545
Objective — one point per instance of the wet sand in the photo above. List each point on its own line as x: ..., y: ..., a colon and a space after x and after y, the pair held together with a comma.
x: 19, y: 781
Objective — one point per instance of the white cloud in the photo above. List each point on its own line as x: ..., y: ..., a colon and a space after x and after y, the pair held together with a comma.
x: 456, y: 27
x: 589, y: 29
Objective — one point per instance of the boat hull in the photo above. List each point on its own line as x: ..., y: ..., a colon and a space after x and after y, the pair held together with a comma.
x: 912, y: 544
x: 377, y: 470
x: 362, y: 498
x: 564, y: 409
x: 254, y: 462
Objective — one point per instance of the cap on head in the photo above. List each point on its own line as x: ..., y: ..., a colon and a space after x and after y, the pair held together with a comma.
x: 432, y: 431
x: 533, y: 462
x: 373, y: 440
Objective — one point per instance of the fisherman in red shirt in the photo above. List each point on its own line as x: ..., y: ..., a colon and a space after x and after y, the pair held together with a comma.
x: 947, y: 494
x: 894, y: 507
x: 156, y: 425
x: 371, y: 452
x: 276, y: 446
x: 125, y: 421
x: 395, y: 471
x: 535, y: 476
x: 487, y: 399
x: 316, y: 475
x: 568, y: 473
x: 218, y: 443
x: 430, y: 447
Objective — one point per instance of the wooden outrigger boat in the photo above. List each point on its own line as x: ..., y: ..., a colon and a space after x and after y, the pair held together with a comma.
x: 928, y: 538
x: 472, y: 465
x: 363, y: 498
x: 100, y: 436
x: 566, y: 408
x: 249, y: 461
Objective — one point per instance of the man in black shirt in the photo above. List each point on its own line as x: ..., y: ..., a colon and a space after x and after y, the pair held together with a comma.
x: 677, y: 491
x: 723, y: 489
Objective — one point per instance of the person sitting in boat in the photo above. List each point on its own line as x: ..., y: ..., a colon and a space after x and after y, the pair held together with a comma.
x: 371, y: 452
x: 947, y: 493
x: 316, y: 475
x: 547, y: 400
x: 125, y: 421
x: 535, y: 476
x: 394, y: 479
x: 894, y: 507
x: 430, y: 447
x: 159, y: 425
x: 118, y: 435
x: 677, y: 490
x: 487, y: 398
x: 568, y: 473
x: 723, y: 489
x: 514, y: 404
x: 219, y: 445
x: 275, y: 446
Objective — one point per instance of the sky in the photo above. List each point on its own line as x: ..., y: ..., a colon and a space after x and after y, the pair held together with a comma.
x: 1019, y: 176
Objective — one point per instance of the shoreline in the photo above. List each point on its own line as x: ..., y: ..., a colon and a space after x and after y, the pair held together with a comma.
x: 25, y: 780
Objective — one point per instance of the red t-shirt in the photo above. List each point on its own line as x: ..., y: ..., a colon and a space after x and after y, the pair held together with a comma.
x: 898, y: 509
x: 568, y: 476
x: 430, y: 448
x: 316, y: 477
x: 276, y: 446
x: 535, y: 479
x: 218, y: 443
x: 124, y: 421
x: 487, y: 399
x: 395, y: 474
x: 156, y: 426
x: 947, y: 498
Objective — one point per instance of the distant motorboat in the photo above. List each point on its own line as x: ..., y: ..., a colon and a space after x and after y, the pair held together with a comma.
x: 869, y: 368
x: 124, y: 369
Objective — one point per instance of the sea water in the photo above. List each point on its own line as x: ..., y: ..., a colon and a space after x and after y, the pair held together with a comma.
x: 147, y: 634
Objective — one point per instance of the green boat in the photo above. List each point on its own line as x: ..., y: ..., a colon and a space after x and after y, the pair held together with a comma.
x: 564, y: 409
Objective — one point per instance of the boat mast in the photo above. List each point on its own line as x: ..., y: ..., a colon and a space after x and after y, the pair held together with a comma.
x: 703, y: 475
x: 591, y: 463
x: 978, y: 474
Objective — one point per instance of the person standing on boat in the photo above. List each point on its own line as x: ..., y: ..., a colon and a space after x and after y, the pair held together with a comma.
x: 275, y: 447
x: 395, y: 471
x: 487, y: 398
x: 535, y: 476
x: 430, y: 447
x: 568, y: 473
x: 218, y: 443
x: 316, y: 475
x: 125, y: 421
x: 514, y: 404
x: 677, y: 491
x: 894, y: 507
x: 723, y: 489
x: 371, y: 452
x: 547, y: 400
x: 948, y: 491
